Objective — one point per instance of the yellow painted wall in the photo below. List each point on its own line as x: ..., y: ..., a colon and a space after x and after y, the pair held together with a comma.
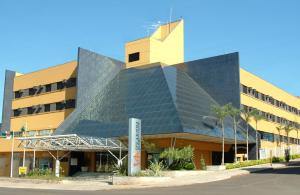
x: 45, y: 98
x: 267, y: 88
x: 40, y: 121
x: 48, y: 120
x: 142, y: 46
x: 6, y: 145
x: 165, y: 45
x: 170, y: 49
x: 45, y: 76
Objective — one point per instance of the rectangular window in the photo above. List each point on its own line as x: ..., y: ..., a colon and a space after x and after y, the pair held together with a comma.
x: 263, y: 97
x: 48, y: 88
x: 17, y: 112
x: 60, y: 85
x: 70, y: 103
x: 71, y: 82
x: 59, y: 106
x: 47, y: 108
x: 30, y: 110
x: 38, y: 109
x: 244, y: 89
x: 45, y: 132
x: 134, y: 57
x: 32, y: 91
x: 18, y: 94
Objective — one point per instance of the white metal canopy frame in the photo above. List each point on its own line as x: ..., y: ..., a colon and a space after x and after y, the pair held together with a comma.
x: 73, y: 142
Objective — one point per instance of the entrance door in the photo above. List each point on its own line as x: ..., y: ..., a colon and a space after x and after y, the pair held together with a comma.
x: 216, y: 158
x: 76, y: 161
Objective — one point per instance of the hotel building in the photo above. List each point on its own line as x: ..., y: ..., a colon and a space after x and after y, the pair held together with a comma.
x: 95, y: 95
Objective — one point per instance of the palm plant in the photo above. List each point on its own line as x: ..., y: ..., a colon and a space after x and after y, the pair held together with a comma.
x: 297, y: 128
x: 279, y: 128
x: 288, y: 128
x: 257, y: 117
x: 221, y: 112
x: 247, y: 117
x: 234, y: 113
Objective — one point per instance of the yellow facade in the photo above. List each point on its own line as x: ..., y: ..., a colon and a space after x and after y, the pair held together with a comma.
x: 47, y: 120
x: 165, y: 45
x: 262, y: 86
x: 38, y: 122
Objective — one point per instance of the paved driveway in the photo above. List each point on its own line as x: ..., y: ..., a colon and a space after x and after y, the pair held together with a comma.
x: 282, y: 181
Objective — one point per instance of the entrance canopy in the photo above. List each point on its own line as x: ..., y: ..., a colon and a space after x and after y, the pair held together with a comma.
x: 71, y: 142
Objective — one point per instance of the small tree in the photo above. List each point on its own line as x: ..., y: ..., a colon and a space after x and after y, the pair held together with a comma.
x: 221, y: 112
x: 279, y: 128
x: 257, y: 117
x: 234, y: 113
x: 181, y: 157
x: 288, y: 128
x: 297, y: 127
x: 202, y: 163
x: 247, y: 117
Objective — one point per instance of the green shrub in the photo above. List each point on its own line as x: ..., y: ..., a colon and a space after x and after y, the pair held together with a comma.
x: 40, y: 172
x: 287, y: 155
x: 254, y: 162
x: 278, y: 159
x: 189, y: 166
x: 179, y: 157
x: 295, y: 156
x: 202, y: 163
x: 155, y: 169
x: 121, y: 170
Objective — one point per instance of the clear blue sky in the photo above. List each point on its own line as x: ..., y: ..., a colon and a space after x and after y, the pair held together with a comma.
x: 36, y: 34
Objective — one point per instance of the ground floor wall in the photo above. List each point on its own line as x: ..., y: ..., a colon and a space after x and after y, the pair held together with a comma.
x: 209, y: 151
x: 43, y: 160
x: 102, y: 161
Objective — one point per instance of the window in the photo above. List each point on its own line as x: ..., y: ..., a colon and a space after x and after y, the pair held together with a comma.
x: 47, y: 108
x: 17, y: 112
x: 70, y: 104
x: 45, y: 132
x: 48, y: 88
x: 32, y: 91
x: 244, y: 89
x: 263, y: 97
x: 134, y: 57
x: 30, y: 110
x: 60, y: 85
x: 71, y: 82
x: 267, y: 136
x: 59, y: 106
x: 18, y: 94
x: 31, y: 133
x: 38, y: 108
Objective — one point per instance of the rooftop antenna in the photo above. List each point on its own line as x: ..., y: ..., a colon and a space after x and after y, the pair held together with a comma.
x: 170, y: 19
x: 152, y: 26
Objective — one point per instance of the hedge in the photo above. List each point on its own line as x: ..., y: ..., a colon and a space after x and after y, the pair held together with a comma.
x: 258, y: 162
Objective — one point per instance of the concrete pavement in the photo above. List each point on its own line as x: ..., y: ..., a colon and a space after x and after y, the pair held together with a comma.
x: 278, y: 181
x: 202, y: 177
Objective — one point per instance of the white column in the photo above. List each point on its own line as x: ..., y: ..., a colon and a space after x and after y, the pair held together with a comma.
x: 24, y: 157
x: 57, y: 167
x: 134, y: 143
x: 12, y: 155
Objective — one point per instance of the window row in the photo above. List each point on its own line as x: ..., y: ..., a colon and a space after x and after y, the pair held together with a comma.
x: 44, y: 108
x: 33, y: 133
x: 271, y: 117
x: 45, y: 88
x: 252, y: 92
x: 277, y: 138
